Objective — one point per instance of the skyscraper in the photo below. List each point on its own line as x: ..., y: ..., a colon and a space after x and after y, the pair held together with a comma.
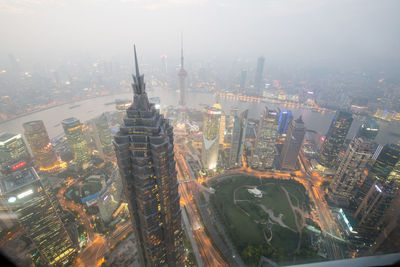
x: 372, y: 210
x: 285, y: 117
x: 258, y: 81
x: 243, y: 77
x: 102, y: 135
x: 351, y: 170
x: 238, y: 139
x: 368, y: 130
x: 335, y: 138
x: 76, y: 139
x: 13, y: 152
x: 264, y: 153
x: 39, y: 141
x: 182, y: 77
x: 25, y: 195
x: 145, y: 153
x: 291, y: 148
x: 211, y: 135
x: 378, y: 192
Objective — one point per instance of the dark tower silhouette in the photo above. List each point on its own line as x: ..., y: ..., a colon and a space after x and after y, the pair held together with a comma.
x: 144, y: 148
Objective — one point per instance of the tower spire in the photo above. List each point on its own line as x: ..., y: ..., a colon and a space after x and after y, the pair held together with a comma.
x: 136, y: 62
x: 181, y: 50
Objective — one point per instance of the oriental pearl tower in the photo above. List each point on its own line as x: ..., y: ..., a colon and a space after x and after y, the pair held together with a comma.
x: 181, y: 122
x: 182, y: 76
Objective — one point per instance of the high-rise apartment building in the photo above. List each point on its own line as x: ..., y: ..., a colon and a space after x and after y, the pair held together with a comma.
x: 291, y: 148
x: 144, y: 148
x: 13, y: 152
x: 335, y: 138
x: 76, y: 140
x: 25, y: 194
x: 238, y: 139
x: 285, y: 117
x: 39, y: 142
x: 264, y: 153
x: 351, y: 170
x: 211, y: 136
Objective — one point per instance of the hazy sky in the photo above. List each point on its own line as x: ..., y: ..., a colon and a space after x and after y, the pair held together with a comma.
x: 298, y: 30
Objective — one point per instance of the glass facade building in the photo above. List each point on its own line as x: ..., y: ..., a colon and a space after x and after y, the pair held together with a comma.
x: 39, y: 142
x: 369, y: 129
x: 264, y: 153
x: 145, y: 153
x: 285, y: 117
x: 104, y: 134
x: 76, y: 140
x: 351, y: 170
x: 335, y: 138
x: 238, y: 139
x: 211, y: 137
x: 25, y: 195
x: 13, y: 152
x: 291, y: 148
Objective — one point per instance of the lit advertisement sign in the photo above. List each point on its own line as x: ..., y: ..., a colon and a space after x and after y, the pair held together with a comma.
x: 24, y: 194
x: 18, y: 165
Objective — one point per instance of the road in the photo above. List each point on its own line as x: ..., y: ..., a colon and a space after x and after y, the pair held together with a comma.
x: 209, y: 254
x: 97, y: 245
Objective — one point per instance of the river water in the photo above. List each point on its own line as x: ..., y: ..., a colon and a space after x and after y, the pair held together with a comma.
x: 91, y: 108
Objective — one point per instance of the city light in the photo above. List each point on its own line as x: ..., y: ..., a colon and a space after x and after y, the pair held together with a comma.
x: 24, y: 194
x: 378, y: 189
x: 12, y: 199
x: 19, y: 165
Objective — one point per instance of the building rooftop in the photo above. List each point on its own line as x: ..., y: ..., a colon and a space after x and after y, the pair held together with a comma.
x: 6, y: 137
x: 18, y: 179
x: 69, y: 120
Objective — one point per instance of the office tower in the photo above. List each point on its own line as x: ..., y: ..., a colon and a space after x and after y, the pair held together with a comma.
x: 28, y: 197
x: 291, y: 148
x: 238, y: 139
x: 285, y: 117
x: 222, y: 125
x: 103, y: 137
x: 182, y: 77
x: 258, y: 81
x: 76, y: 140
x: 39, y: 141
x: 351, y: 170
x: 164, y: 64
x: 388, y: 240
x: 145, y: 153
x: 109, y: 198
x: 368, y: 130
x: 265, y: 151
x: 13, y: 152
x: 211, y: 136
x: 384, y: 165
x: 243, y: 77
x: 372, y: 210
x: 335, y: 138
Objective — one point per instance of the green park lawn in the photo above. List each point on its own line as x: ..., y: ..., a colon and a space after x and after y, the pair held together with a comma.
x: 243, y: 229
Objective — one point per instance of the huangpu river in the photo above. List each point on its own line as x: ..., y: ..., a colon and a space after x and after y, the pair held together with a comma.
x: 90, y: 108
